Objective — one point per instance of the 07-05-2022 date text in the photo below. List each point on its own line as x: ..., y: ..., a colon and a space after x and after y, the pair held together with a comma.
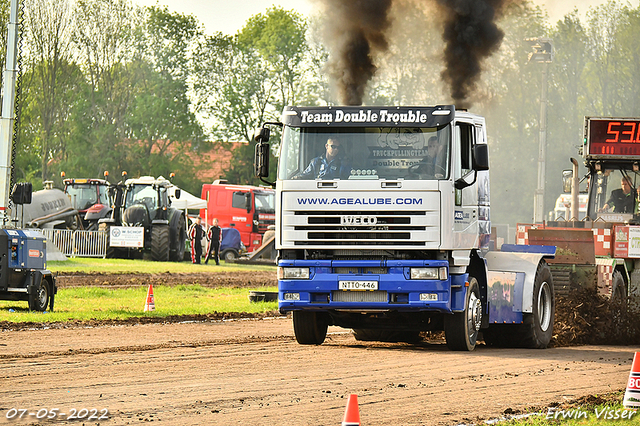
x: 56, y: 413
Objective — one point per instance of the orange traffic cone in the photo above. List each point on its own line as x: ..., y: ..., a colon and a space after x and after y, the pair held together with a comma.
x: 632, y: 395
x: 150, y: 305
x: 351, y: 414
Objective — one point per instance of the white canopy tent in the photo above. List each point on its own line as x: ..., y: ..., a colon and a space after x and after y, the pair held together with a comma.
x: 186, y: 201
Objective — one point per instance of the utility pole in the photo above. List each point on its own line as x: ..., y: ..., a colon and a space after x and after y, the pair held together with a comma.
x: 7, y: 121
x: 543, y: 54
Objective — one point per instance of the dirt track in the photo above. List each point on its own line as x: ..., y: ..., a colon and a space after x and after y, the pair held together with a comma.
x: 251, y: 372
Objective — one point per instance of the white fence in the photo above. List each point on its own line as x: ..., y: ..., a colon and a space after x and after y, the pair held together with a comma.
x: 78, y: 243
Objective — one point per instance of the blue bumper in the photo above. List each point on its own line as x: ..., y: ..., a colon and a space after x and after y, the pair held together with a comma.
x: 396, y: 291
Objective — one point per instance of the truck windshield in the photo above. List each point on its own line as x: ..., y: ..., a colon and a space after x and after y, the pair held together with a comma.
x: 265, y: 202
x: 142, y: 194
x: 614, y: 190
x: 84, y: 196
x: 365, y: 153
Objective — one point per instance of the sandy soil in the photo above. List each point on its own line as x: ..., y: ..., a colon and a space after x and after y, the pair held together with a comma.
x: 224, y: 369
x: 252, y: 372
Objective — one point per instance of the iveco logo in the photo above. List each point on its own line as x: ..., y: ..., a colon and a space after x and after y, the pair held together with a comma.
x: 358, y: 220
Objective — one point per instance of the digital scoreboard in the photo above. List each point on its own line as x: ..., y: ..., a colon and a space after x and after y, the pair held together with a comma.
x: 612, y: 137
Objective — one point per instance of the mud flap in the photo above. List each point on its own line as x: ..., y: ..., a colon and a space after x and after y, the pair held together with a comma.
x: 524, y: 259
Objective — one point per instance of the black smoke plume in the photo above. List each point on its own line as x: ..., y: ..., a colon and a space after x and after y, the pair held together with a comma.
x: 470, y: 35
x: 356, y: 34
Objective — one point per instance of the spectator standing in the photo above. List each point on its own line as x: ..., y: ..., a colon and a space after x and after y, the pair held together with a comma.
x: 196, y: 232
x: 214, y: 235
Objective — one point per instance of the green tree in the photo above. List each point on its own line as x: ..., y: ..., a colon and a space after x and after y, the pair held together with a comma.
x: 49, y: 78
x: 509, y: 97
x: 104, y: 39
x: 162, y: 128
x: 605, y: 67
x: 567, y: 104
x: 626, y: 42
x: 279, y: 37
x: 246, y: 79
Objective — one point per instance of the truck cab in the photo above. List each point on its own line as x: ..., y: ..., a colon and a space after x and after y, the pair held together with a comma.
x: 389, y: 235
x: 249, y: 209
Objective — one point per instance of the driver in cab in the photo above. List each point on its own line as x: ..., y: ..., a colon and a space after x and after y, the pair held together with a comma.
x: 431, y: 164
x: 330, y: 165
x: 621, y: 200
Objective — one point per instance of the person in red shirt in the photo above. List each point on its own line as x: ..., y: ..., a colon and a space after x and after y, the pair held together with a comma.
x: 214, y: 235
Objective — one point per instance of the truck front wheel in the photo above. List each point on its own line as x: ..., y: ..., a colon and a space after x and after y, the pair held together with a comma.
x: 461, y: 329
x: 310, y: 328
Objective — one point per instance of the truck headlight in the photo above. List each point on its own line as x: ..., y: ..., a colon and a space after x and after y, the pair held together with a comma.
x: 290, y: 273
x: 429, y: 273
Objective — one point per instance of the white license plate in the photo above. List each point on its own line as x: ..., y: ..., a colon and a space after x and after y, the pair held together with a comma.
x: 358, y: 285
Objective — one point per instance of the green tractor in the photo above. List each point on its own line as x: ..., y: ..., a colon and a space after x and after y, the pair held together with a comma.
x: 144, y: 203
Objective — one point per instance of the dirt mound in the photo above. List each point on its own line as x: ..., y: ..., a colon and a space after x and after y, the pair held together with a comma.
x: 587, y: 319
x: 240, y: 279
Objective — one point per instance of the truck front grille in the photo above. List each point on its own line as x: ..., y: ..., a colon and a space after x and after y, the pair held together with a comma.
x: 360, y: 296
x: 335, y: 228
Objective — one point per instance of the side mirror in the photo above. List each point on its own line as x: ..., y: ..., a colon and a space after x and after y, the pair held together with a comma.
x: 481, y: 157
x: 567, y: 177
x: 261, y: 158
x: 177, y: 193
x: 262, y: 134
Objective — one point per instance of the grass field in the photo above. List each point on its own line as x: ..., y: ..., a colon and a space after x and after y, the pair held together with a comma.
x: 611, y: 412
x: 95, y: 303
x: 87, y: 303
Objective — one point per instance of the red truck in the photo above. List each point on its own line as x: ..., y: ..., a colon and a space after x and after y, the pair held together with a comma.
x: 249, y: 209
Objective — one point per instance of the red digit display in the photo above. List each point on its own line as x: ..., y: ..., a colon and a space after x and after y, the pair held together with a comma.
x: 614, y: 137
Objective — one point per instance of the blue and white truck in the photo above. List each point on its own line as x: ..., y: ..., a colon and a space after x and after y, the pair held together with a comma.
x: 392, y: 237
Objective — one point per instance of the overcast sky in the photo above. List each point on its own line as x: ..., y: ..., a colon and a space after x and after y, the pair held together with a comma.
x: 228, y: 16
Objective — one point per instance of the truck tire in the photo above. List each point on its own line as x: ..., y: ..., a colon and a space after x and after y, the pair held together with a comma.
x: 618, y: 293
x: 537, y: 327
x: 461, y: 328
x: 390, y: 336
x: 39, y: 299
x: 160, y: 243
x: 310, y: 328
x: 178, y: 239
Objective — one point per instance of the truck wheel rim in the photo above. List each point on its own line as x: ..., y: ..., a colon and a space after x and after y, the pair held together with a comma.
x: 474, y: 314
x: 544, y: 306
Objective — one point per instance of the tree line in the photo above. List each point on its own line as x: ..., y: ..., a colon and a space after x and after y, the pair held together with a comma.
x: 108, y: 85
